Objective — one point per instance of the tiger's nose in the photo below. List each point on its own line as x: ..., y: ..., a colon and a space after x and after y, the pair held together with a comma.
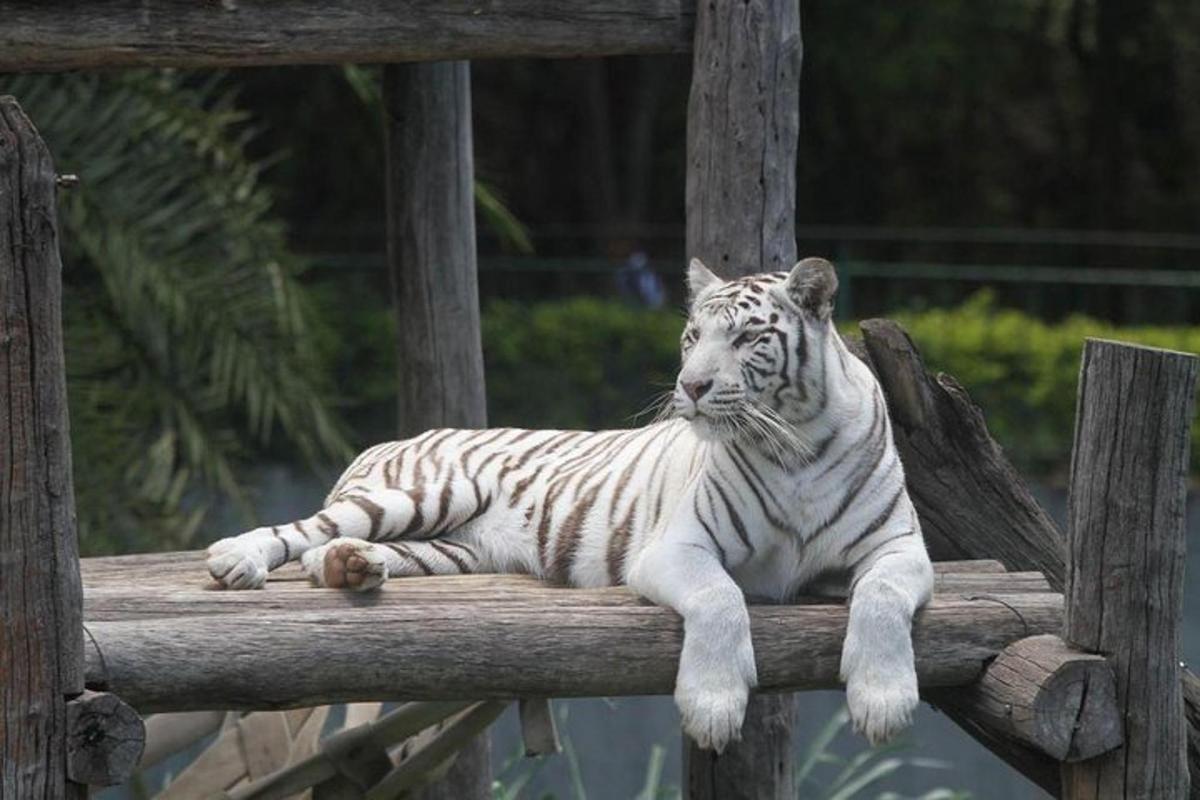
x: 696, y: 389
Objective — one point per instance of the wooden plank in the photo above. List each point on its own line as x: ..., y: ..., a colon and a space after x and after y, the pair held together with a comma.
x: 41, y: 622
x: 471, y: 652
x: 1127, y: 538
x: 183, y: 33
x: 109, y: 602
x: 435, y: 289
x: 742, y: 132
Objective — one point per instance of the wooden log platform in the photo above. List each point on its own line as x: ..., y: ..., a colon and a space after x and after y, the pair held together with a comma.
x: 164, y: 638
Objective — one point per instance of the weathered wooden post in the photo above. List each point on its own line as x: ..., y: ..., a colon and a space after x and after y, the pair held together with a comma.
x: 743, y: 127
x: 41, y: 607
x: 435, y: 289
x: 1125, y: 568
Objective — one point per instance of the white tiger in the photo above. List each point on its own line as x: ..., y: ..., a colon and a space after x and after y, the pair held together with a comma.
x: 778, y: 467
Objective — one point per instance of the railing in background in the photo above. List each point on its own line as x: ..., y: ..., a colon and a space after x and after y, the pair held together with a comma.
x: 870, y: 287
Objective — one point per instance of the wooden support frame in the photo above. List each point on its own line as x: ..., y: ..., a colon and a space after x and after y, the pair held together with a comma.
x: 435, y: 290
x: 41, y: 613
x: 38, y: 36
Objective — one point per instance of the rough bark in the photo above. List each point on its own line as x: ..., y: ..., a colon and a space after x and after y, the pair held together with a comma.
x: 41, y: 620
x: 742, y: 130
x: 1127, y: 538
x: 431, y: 246
x: 1048, y: 696
x: 971, y: 501
x: 470, y: 651
x: 743, y: 124
x: 435, y: 289
x: 184, y: 33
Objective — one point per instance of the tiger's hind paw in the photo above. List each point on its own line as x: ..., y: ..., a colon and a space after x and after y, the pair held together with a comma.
x: 346, y: 564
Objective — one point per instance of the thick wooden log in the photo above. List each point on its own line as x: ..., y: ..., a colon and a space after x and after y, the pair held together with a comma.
x: 971, y: 501
x: 105, y: 739
x: 472, y: 651
x: 124, y: 601
x: 742, y: 131
x: 41, y: 621
x: 183, y: 33
x: 1047, y: 696
x: 1127, y: 538
x: 435, y: 288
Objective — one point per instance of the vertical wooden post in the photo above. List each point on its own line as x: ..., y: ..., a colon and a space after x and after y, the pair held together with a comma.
x: 41, y: 606
x: 435, y: 289
x: 1125, y: 565
x: 743, y: 125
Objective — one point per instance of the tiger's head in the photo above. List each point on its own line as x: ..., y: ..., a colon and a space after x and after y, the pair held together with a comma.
x: 753, y: 351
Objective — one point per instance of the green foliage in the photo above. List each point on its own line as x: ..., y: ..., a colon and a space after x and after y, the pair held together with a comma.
x: 577, y: 363
x: 186, y: 333
x: 821, y: 774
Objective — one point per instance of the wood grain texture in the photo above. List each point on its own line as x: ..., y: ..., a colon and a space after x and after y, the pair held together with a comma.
x: 742, y: 128
x: 41, y: 622
x: 743, y: 123
x: 120, y: 599
x: 105, y: 739
x: 1126, y: 536
x: 431, y: 245
x: 1048, y: 696
x: 435, y: 288
x: 502, y: 651
x: 184, y: 33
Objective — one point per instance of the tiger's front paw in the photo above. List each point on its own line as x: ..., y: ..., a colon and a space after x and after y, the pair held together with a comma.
x: 346, y: 564
x: 236, y: 565
x: 713, y: 688
x: 880, y: 710
x: 713, y: 717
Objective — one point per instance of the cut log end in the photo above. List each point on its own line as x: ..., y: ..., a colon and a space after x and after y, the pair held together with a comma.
x: 105, y: 739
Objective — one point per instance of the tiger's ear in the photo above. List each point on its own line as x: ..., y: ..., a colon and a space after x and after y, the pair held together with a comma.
x: 699, y: 278
x: 812, y: 285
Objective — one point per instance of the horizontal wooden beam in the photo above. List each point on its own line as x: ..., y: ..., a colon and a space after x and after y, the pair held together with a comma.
x: 113, y: 603
x: 451, y: 651
x: 40, y: 36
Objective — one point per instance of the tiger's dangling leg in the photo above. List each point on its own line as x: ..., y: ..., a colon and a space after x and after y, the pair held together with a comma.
x: 681, y: 570
x: 890, y: 581
x: 242, y: 562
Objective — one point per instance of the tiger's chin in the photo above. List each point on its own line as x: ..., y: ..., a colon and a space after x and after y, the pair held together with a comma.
x: 713, y: 429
